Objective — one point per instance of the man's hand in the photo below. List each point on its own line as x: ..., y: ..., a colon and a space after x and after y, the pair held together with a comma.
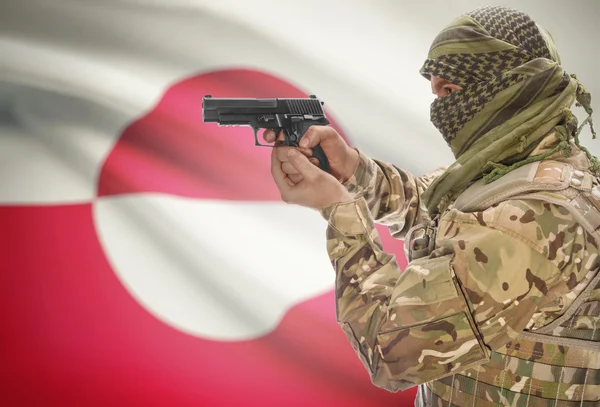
x: 342, y: 158
x: 316, y: 189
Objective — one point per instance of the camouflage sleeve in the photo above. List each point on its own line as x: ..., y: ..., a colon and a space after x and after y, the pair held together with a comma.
x: 392, y: 195
x: 489, y: 275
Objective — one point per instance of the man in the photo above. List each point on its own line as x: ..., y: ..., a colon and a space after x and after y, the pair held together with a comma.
x: 500, y: 301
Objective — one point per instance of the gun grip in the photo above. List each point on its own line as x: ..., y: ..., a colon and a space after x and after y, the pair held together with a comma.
x: 319, y: 154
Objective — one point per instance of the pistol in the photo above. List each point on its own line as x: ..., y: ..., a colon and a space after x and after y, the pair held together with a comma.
x: 292, y: 116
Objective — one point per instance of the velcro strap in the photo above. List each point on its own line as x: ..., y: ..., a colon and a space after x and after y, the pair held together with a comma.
x: 537, y: 176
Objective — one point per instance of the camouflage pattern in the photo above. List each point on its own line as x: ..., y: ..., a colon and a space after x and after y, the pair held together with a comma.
x: 452, y: 322
x: 394, y: 203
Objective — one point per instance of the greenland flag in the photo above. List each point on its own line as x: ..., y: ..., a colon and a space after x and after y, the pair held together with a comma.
x: 147, y: 258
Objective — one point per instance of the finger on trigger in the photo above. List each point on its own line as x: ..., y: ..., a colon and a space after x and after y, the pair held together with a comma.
x: 314, y: 160
x: 269, y: 135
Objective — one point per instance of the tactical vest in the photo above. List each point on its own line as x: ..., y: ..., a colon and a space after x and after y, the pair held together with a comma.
x: 557, y: 364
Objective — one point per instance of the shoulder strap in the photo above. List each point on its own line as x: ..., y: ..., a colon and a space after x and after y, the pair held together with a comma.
x: 536, y: 176
x: 550, y: 181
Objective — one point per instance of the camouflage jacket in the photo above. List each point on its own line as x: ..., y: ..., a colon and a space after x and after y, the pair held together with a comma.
x: 493, y: 274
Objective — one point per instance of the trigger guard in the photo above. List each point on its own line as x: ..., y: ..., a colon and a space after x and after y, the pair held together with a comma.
x: 256, y: 142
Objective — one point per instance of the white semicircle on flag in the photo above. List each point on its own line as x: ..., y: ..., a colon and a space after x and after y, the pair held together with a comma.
x: 221, y: 270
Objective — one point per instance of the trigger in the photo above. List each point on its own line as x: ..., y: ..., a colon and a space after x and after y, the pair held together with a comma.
x: 256, y: 142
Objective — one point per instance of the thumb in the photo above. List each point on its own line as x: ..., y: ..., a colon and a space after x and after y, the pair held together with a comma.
x: 302, y: 165
x: 311, y: 138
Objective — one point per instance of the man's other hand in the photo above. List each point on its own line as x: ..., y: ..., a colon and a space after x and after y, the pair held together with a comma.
x: 343, y: 159
x: 317, y: 189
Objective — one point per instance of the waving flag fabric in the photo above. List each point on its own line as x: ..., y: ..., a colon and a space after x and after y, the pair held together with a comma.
x: 146, y: 257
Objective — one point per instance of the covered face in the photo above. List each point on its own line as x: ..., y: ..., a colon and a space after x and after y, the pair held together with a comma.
x: 512, y: 94
x: 503, y: 61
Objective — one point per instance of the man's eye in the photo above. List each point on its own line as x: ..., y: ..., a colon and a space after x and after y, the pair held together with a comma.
x: 448, y: 90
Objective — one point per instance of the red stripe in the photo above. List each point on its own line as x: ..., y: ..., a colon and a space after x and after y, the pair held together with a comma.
x: 72, y: 335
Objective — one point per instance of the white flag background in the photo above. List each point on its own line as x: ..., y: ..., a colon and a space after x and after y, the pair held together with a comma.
x: 146, y: 257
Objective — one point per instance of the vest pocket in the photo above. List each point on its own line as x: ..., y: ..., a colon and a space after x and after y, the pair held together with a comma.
x: 432, y: 350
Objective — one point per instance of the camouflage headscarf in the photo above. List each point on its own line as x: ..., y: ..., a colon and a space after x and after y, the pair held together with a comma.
x: 514, y: 92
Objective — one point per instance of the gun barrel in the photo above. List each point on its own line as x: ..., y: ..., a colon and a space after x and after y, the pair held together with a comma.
x: 215, y: 108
